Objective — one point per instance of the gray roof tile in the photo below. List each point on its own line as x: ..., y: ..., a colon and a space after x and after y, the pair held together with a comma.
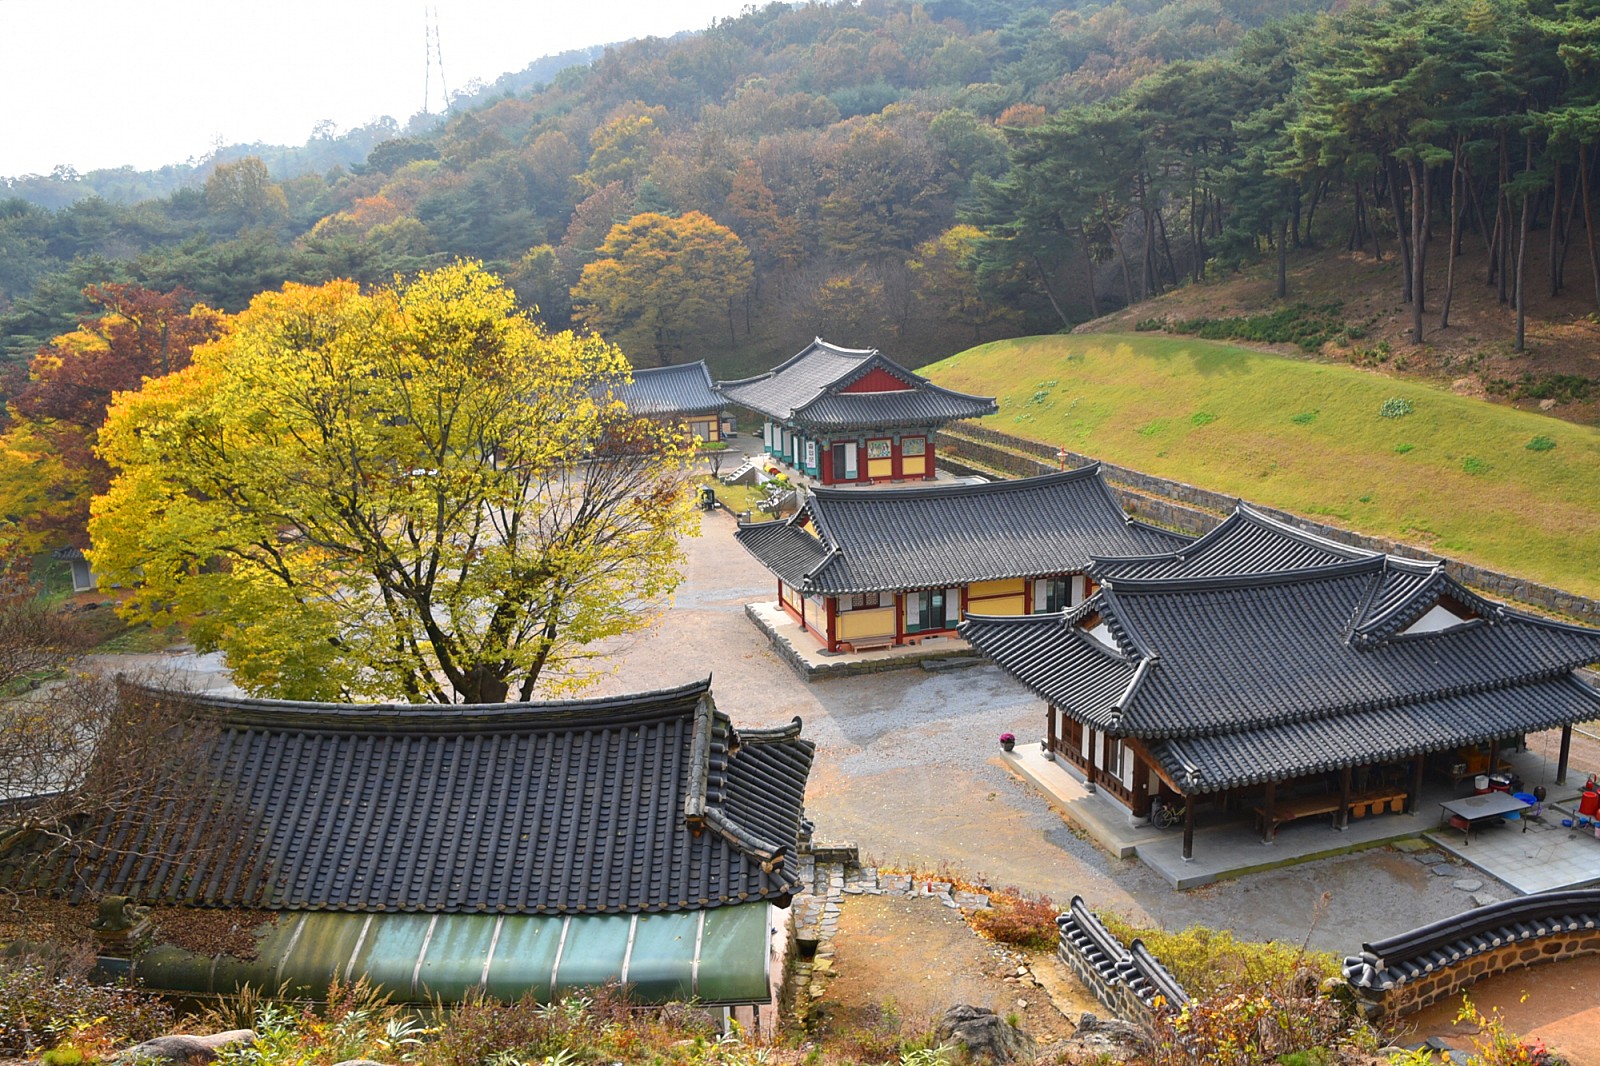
x: 1273, y: 667
x: 652, y: 802
x: 683, y: 389
x: 1246, y: 542
x: 805, y: 390
x: 889, y: 539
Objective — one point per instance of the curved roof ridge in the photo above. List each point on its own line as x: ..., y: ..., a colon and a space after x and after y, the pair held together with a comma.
x: 771, y: 734
x: 1409, y: 607
x: 816, y: 343
x: 1121, y: 626
x: 1199, y: 545
x: 1139, y: 585
x: 951, y: 491
x: 1261, y: 518
x: 352, y: 717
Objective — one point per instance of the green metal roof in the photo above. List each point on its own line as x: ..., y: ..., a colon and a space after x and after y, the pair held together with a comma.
x: 719, y: 956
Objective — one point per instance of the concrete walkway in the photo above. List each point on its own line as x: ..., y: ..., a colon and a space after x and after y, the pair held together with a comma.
x: 1544, y: 858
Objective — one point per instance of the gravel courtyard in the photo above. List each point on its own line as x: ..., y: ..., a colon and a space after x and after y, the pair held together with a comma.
x: 907, y: 770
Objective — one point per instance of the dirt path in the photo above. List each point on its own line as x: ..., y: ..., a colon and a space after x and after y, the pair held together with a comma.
x: 903, y: 961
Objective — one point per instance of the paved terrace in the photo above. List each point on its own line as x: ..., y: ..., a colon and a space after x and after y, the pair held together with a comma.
x: 1546, y: 856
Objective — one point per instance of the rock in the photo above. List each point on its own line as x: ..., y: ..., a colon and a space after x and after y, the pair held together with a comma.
x: 1467, y: 884
x: 1107, y: 1034
x: 1444, y: 869
x: 185, y: 1049
x: 980, y: 1035
x: 1547, y: 405
x: 1483, y: 899
x: 1429, y: 858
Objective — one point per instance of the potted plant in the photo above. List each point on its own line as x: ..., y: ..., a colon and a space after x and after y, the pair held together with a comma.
x: 1008, y: 741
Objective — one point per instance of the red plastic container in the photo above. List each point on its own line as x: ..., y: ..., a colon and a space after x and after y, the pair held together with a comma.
x: 1589, y: 804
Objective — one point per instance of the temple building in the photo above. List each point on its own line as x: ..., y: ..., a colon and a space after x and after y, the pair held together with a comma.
x: 852, y: 416
x: 518, y: 848
x: 896, y: 566
x: 1264, y: 670
x: 681, y: 395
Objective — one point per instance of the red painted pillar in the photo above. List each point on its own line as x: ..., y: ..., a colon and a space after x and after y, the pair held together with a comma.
x: 928, y: 467
x: 826, y: 465
x: 833, y: 626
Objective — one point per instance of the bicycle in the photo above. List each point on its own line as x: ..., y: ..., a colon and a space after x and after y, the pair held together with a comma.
x: 1167, y: 815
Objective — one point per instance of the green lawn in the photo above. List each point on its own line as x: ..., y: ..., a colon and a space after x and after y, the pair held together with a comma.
x: 1455, y: 475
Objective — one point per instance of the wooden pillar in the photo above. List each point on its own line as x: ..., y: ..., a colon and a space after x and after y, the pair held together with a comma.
x: 1188, y: 828
x: 1268, y: 804
x: 1050, y: 729
x: 1417, y: 766
x: 1342, y: 818
x: 1566, y: 754
x: 1494, y: 755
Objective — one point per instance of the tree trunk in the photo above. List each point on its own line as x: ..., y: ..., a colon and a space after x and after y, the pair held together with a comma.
x: 1522, y: 253
x: 1044, y: 283
x: 1283, y: 258
x: 1552, y: 261
x: 1588, y: 220
x: 1122, y: 257
x: 1419, y: 244
x: 1503, y: 222
x: 1402, y: 230
x: 1454, y: 248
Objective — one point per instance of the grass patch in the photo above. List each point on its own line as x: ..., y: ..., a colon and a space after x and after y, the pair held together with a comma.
x: 1202, y: 418
x: 1529, y: 513
x: 1540, y: 444
x: 1304, y: 418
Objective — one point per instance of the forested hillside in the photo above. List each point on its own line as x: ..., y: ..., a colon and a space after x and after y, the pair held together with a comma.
x: 920, y: 177
x: 839, y: 143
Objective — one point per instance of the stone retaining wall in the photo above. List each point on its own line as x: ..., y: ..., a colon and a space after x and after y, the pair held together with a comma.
x: 1443, y: 983
x: 1195, y: 510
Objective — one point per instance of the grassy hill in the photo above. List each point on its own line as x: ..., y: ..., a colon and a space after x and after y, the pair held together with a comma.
x: 1507, y: 489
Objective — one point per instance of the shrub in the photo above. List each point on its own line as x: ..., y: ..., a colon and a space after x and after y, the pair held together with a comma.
x: 1202, y: 418
x: 1149, y: 325
x: 1013, y: 918
x: 1540, y: 443
x: 1282, y: 1021
x: 1401, y: 449
x: 1473, y: 465
x: 46, y: 999
x: 1304, y: 418
x: 1562, y: 388
x: 1307, y: 325
x: 1207, y: 961
x: 1395, y: 407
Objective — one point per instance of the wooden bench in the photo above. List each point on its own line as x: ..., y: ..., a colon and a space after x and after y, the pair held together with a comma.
x: 866, y: 644
x: 1377, y: 802
x: 1290, y: 810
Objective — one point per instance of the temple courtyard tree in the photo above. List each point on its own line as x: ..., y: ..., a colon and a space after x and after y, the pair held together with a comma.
x: 412, y: 492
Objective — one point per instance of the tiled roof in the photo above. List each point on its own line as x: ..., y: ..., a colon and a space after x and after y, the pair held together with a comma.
x: 684, y: 389
x: 875, y: 540
x: 1267, y: 675
x: 652, y: 802
x: 1246, y: 542
x: 805, y: 389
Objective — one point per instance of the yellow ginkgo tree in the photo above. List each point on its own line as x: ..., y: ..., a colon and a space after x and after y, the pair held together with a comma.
x: 411, y: 492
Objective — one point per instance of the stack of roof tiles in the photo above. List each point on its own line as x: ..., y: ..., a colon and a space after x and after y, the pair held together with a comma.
x: 651, y: 802
x: 851, y: 541
x: 1233, y: 679
x: 808, y: 389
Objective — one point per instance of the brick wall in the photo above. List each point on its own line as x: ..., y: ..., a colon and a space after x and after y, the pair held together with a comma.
x: 1196, y: 510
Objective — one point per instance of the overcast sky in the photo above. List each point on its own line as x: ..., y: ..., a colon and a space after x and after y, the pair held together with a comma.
x: 97, y: 83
